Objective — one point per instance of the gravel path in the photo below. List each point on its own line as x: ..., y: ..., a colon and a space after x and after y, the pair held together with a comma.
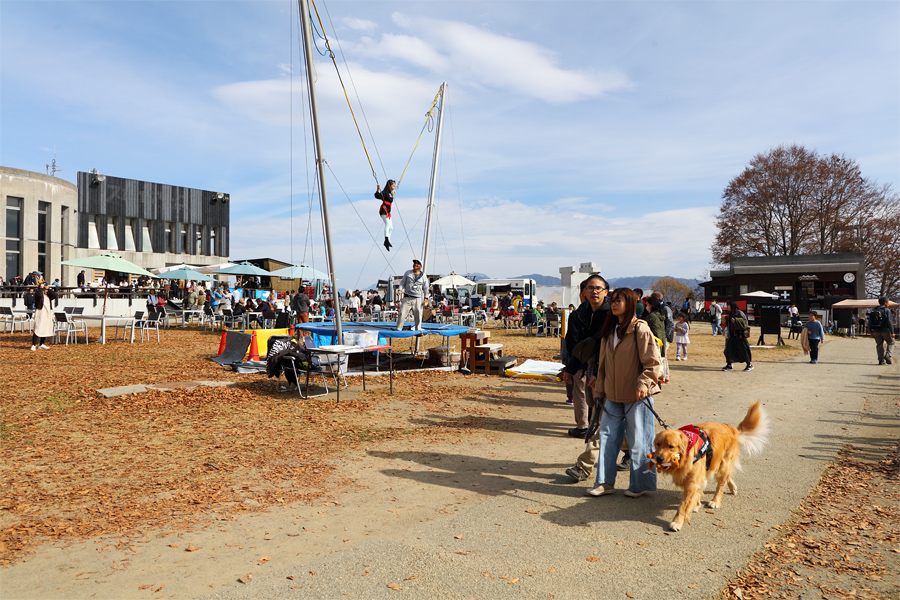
x: 493, y: 516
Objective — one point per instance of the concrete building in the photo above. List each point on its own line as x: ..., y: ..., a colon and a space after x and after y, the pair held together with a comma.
x: 48, y: 220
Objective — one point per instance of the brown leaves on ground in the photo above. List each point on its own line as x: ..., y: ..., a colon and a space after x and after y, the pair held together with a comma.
x: 842, y: 543
x: 76, y: 465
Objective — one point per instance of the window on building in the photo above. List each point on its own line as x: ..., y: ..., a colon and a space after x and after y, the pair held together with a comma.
x: 212, y: 241
x: 198, y: 239
x: 93, y: 236
x: 185, y: 240
x: 129, y: 235
x: 64, y: 226
x: 112, y: 225
x: 169, y: 237
x: 43, y: 236
x: 13, y: 237
x: 146, y: 240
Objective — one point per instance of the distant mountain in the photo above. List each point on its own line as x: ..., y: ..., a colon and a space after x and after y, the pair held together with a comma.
x: 644, y: 282
x: 540, y: 279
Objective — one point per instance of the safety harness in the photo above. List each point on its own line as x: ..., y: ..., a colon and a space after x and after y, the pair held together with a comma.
x: 696, y: 435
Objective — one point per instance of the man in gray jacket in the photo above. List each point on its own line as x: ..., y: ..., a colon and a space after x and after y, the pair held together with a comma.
x: 412, y: 286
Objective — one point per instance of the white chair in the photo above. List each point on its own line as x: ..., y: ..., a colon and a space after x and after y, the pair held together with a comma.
x: 10, y: 319
x: 151, y: 322
x: 63, y: 323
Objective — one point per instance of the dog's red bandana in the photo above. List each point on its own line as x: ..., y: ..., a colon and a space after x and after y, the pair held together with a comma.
x: 694, y: 435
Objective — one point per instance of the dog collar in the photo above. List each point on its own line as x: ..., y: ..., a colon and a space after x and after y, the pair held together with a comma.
x: 696, y: 435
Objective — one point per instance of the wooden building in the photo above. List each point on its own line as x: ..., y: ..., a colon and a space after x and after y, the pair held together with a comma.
x: 810, y: 281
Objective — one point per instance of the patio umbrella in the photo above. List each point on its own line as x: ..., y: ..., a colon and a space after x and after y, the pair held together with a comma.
x: 318, y: 293
x: 452, y: 280
x: 761, y: 294
x: 186, y: 274
x: 244, y: 268
x: 300, y: 271
x: 109, y: 261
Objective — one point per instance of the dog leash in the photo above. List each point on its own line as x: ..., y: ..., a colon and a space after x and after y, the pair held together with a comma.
x: 595, y: 417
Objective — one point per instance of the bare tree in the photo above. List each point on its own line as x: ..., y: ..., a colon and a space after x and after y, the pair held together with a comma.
x: 792, y: 201
x: 673, y: 290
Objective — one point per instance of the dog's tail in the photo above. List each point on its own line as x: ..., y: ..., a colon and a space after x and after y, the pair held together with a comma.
x: 754, y: 430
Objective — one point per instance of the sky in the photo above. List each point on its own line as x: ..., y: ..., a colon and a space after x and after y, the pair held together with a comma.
x: 574, y: 131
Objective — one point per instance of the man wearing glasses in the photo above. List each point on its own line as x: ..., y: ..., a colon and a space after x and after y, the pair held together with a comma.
x: 584, y: 327
x: 413, y: 288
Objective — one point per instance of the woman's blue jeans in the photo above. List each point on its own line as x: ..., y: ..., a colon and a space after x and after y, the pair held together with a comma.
x: 635, y: 419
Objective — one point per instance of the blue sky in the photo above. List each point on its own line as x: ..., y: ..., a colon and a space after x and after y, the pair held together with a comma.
x: 575, y: 131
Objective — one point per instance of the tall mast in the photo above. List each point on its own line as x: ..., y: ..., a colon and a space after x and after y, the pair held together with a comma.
x: 320, y: 163
x: 434, y: 167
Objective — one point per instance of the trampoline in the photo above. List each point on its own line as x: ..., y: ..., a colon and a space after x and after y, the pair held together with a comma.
x: 323, y: 334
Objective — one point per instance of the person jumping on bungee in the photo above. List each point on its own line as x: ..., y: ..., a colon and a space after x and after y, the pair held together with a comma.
x: 387, y: 198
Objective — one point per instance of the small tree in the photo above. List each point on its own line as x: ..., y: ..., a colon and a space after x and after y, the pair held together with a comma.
x: 673, y: 291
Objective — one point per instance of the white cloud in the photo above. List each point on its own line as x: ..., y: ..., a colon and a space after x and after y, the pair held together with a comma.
x: 472, y: 56
x: 500, y: 237
x: 359, y: 24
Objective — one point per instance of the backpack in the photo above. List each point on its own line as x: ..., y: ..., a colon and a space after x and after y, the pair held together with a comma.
x: 876, y: 319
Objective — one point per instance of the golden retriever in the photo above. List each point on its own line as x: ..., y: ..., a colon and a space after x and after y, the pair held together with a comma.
x: 674, y: 453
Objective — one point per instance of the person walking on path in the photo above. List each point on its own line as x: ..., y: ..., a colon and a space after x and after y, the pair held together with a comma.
x: 813, y: 334
x: 413, y: 286
x: 682, y: 329
x: 737, y: 348
x: 715, y: 317
x: 43, y: 317
x: 881, y: 326
x: 582, y: 344
x: 628, y: 372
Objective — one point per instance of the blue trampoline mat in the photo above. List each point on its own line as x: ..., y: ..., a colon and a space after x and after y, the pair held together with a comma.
x: 323, y: 333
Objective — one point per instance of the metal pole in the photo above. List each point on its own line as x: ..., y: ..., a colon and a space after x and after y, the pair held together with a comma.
x: 434, y: 167
x: 320, y: 163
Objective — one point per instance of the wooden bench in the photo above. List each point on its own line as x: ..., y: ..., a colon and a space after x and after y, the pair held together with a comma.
x: 481, y: 357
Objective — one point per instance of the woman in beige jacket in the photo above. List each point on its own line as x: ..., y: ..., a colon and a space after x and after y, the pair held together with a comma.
x: 628, y: 373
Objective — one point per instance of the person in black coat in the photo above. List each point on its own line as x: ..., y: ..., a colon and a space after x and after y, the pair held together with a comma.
x: 387, y: 199
x: 583, y: 346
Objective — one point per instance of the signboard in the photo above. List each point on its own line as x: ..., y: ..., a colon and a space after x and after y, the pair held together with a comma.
x: 808, y: 278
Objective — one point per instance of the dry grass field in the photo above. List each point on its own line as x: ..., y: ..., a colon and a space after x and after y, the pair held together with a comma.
x: 76, y: 465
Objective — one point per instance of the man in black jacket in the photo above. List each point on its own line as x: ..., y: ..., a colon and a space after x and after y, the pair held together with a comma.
x: 583, y: 346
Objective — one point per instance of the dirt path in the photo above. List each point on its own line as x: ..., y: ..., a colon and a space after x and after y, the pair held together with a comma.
x: 491, y: 515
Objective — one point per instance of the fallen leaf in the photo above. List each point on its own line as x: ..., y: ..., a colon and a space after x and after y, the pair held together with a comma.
x: 246, y: 578
x: 513, y: 580
x: 191, y: 548
x: 144, y: 587
x: 263, y: 560
x: 459, y: 537
x: 532, y: 512
x: 411, y: 577
x: 173, y: 545
x: 629, y: 594
x: 593, y: 559
x: 739, y: 593
x: 394, y: 587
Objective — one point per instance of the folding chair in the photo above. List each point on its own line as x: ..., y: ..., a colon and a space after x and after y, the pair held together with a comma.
x: 330, y: 362
x: 553, y: 325
x: 311, y: 367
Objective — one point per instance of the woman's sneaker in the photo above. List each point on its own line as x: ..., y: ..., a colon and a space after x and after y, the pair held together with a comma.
x: 728, y: 368
x: 748, y: 368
